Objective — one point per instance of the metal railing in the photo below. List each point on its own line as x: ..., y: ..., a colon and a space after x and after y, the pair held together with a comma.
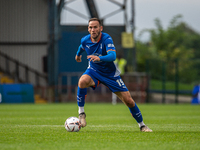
x: 21, y: 73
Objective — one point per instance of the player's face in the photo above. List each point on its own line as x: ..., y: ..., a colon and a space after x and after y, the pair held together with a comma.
x: 94, y: 28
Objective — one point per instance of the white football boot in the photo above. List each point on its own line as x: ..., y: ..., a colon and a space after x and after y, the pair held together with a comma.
x: 82, y: 117
x: 145, y: 129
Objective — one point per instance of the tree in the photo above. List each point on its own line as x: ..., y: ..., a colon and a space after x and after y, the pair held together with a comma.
x: 178, y: 41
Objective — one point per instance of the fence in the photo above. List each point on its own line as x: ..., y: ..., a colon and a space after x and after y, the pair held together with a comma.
x: 20, y: 72
x: 172, y: 77
x: 67, y: 88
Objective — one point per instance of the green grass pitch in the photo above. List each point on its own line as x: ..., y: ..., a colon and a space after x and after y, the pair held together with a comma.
x: 41, y: 127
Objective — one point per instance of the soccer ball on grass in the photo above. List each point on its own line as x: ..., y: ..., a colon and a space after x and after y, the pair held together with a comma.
x: 72, y: 124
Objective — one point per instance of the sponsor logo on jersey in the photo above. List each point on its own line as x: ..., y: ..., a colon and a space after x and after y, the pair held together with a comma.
x: 111, y: 45
x: 96, y: 54
x: 88, y: 46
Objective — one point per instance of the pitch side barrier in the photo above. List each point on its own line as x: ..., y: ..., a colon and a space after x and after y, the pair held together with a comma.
x: 16, y: 93
x: 164, y: 93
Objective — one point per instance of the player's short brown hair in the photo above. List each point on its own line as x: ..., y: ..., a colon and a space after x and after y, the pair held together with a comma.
x: 95, y: 19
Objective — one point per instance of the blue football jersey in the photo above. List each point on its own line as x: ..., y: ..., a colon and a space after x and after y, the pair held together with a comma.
x: 100, y: 48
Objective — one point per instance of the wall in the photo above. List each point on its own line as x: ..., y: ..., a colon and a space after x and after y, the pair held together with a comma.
x: 24, y: 30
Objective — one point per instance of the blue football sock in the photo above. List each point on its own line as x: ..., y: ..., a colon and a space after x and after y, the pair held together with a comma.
x: 136, y: 113
x: 81, y: 95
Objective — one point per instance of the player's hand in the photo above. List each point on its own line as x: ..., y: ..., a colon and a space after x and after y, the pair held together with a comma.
x: 93, y: 58
x: 78, y: 58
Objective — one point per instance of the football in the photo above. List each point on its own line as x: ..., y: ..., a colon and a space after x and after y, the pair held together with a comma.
x: 72, y: 124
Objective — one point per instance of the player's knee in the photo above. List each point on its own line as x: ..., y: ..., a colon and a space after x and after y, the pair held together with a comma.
x: 82, y: 83
x: 85, y: 81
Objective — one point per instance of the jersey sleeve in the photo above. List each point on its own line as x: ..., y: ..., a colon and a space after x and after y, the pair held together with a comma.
x: 109, y: 45
x: 80, y: 50
x: 111, y: 56
x: 83, y: 43
x: 110, y: 50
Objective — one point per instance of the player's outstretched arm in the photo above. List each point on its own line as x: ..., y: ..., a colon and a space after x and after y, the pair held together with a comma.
x: 111, y: 56
x: 78, y: 54
x: 93, y: 58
